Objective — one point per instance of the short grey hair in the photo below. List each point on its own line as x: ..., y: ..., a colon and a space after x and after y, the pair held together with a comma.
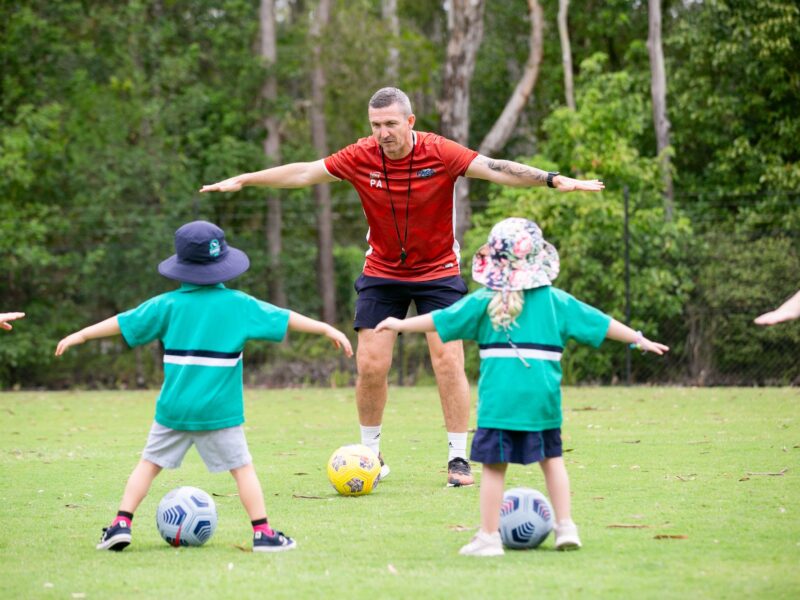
x: 391, y: 95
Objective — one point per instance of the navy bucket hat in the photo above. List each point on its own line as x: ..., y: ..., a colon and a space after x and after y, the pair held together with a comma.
x: 202, y: 256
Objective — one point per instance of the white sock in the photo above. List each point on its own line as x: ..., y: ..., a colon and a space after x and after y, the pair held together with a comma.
x: 371, y: 438
x: 457, y: 443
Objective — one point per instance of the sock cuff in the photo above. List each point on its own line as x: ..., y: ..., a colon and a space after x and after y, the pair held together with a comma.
x: 258, y: 522
x: 370, y: 430
x: 125, y: 514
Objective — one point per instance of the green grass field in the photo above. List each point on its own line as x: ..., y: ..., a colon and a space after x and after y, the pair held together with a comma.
x: 679, y: 493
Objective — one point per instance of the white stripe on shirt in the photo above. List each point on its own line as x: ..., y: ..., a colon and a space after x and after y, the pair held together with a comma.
x: 202, y: 361
x: 523, y: 352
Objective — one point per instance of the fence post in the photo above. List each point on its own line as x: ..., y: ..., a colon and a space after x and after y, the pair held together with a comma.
x: 626, y: 236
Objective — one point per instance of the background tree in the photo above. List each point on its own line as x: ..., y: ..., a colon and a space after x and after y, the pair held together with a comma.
x: 322, y: 192
x: 465, y: 31
x: 658, y: 86
x: 272, y: 150
x: 566, y: 52
x: 504, y: 126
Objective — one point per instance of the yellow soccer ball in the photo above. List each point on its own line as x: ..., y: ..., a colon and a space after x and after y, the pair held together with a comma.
x: 354, y: 470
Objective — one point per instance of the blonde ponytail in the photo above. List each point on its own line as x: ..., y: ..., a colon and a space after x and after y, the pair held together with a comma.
x: 504, y: 308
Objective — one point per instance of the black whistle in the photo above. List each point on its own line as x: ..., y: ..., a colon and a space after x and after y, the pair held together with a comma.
x: 403, y: 256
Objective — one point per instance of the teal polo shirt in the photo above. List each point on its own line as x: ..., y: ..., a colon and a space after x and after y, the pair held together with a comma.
x: 204, y: 330
x: 511, y: 395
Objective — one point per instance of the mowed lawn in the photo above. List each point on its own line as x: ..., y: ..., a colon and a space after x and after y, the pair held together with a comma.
x: 678, y: 493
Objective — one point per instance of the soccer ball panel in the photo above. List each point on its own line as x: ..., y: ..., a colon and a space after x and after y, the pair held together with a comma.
x: 353, y: 470
x: 526, y: 518
x: 186, y: 516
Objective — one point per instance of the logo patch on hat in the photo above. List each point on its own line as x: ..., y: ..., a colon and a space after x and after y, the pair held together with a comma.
x: 213, y: 248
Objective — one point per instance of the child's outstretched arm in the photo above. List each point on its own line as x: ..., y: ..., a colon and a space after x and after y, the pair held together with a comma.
x: 11, y: 316
x: 622, y: 333
x: 785, y: 312
x: 420, y: 324
x: 105, y: 328
x: 298, y: 322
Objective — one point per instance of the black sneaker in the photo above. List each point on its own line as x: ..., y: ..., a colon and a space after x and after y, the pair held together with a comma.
x: 459, y: 473
x: 116, y: 537
x: 272, y: 543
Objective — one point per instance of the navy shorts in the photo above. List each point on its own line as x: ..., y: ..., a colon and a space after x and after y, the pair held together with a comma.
x: 493, y: 446
x: 379, y: 298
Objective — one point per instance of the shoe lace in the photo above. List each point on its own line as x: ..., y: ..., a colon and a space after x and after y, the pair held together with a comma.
x: 458, y: 465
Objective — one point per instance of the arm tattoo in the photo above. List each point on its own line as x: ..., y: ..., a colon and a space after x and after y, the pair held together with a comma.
x: 517, y: 170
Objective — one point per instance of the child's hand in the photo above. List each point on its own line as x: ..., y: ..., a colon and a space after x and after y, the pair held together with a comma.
x: 6, y: 317
x: 340, y: 341
x: 779, y: 315
x: 389, y: 324
x: 647, y: 346
x: 69, y: 341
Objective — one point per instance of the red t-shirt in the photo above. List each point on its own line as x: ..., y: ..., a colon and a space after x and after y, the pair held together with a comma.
x: 431, y: 248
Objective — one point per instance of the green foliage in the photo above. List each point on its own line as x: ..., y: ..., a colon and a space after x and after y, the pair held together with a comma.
x: 737, y: 279
x: 113, y: 114
x: 587, y: 229
x: 735, y: 86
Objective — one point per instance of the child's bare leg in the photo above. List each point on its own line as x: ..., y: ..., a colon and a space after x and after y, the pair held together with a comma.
x: 117, y: 536
x: 138, y: 485
x: 492, y: 484
x: 265, y: 539
x: 250, y: 493
x: 487, y: 541
x: 555, y: 475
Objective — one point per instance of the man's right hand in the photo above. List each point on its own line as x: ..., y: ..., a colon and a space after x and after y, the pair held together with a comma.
x: 234, y: 184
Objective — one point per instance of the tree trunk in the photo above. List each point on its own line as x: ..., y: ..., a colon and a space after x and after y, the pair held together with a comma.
x: 507, y: 121
x: 272, y: 152
x: 465, y: 30
x: 389, y: 14
x: 566, y: 52
x: 658, y: 87
x: 322, y: 192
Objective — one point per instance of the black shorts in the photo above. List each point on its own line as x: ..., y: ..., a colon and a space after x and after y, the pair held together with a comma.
x: 493, y: 446
x: 379, y: 298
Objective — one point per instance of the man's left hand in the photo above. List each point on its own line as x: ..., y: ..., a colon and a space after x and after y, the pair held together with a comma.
x: 567, y: 184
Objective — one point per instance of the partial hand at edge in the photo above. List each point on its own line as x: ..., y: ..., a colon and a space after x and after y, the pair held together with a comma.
x: 6, y: 317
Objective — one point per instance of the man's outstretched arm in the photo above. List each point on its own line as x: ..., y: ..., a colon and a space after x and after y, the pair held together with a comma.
x: 293, y: 175
x: 514, y: 174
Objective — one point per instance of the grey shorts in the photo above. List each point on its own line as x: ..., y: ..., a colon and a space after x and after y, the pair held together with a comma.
x: 220, y: 449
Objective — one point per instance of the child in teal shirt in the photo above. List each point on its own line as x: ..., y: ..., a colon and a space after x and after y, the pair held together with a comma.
x: 521, y: 324
x: 203, y: 327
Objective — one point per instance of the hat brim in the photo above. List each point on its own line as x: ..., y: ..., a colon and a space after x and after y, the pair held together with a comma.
x: 493, y: 277
x: 234, y: 263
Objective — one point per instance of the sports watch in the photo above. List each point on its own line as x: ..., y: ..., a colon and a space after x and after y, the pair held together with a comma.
x: 550, y: 175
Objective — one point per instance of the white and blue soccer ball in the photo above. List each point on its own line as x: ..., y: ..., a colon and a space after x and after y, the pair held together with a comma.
x: 526, y: 518
x: 186, y: 516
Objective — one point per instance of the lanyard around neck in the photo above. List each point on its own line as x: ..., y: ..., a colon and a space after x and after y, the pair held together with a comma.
x: 402, y: 241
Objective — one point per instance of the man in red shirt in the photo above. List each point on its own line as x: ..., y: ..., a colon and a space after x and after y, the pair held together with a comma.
x: 406, y: 181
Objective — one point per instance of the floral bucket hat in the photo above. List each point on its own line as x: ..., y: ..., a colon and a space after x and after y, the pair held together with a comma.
x: 516, y: 257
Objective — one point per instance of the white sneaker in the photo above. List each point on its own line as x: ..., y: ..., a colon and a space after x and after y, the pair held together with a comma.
x: 567, y: 536
x: 484, y: 544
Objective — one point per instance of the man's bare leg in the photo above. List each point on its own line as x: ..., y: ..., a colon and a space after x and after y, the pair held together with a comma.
x: 373, y: 361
